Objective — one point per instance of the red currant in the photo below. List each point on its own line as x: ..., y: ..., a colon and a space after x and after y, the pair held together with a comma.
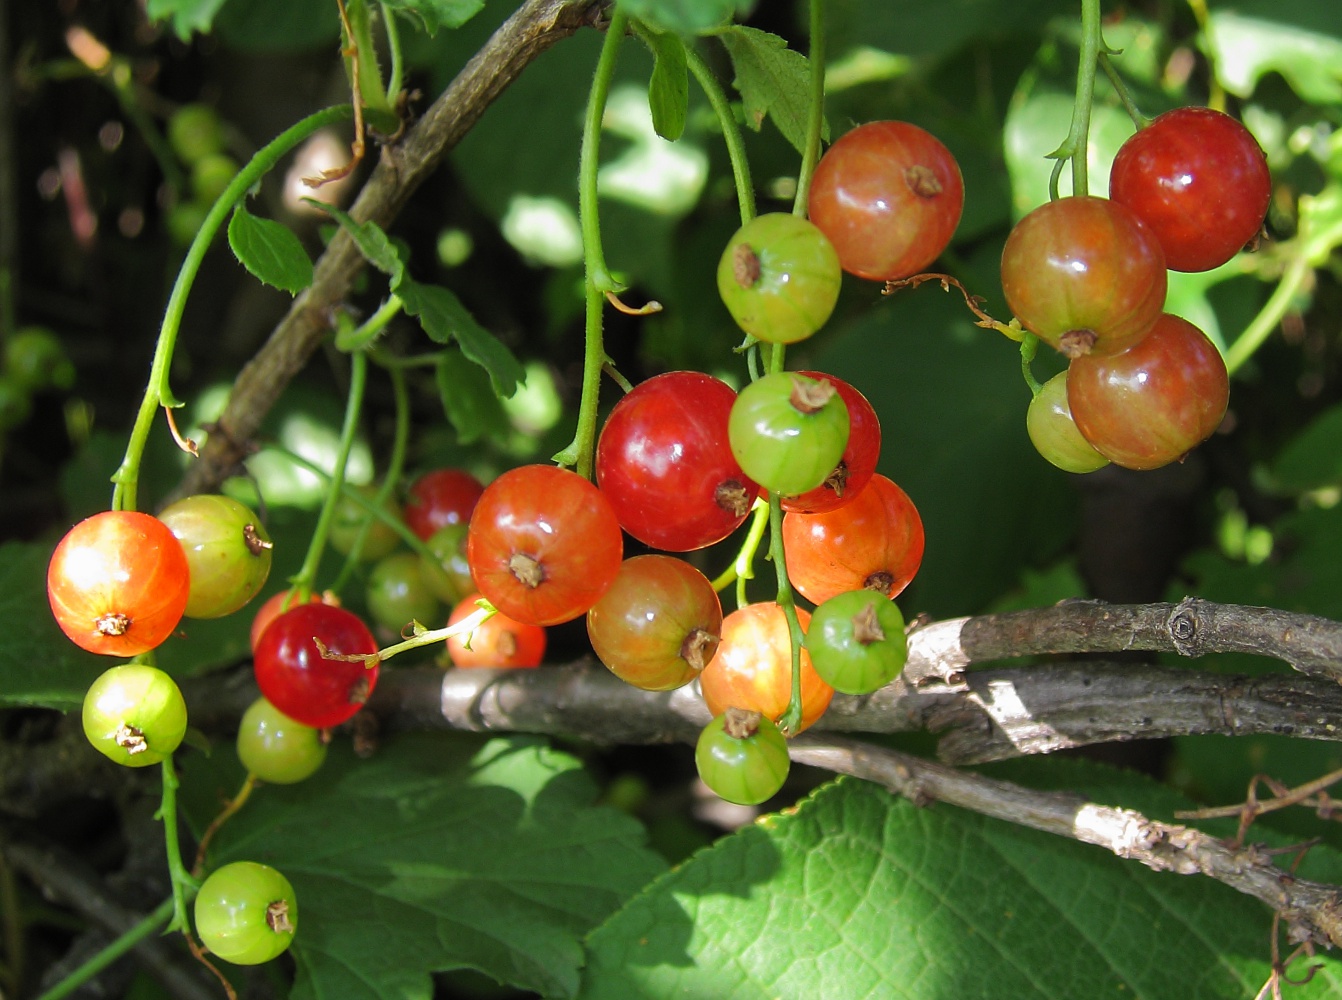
x: 439, y: 498
x: 874, y: 543
x: 271, y: 609
x: 1199, y: 179
x: 1151, y: 404
x: 658, y: 625
x: 779, y: 278
x: 544, y: 544
x: 664, y: 463
x: 859, y: 459
x: 1084, y: 274
x: 118, y: 583
x: 752, y: 668
x: 889, y: 196
x: 496, y: 642
x: 298, y: 680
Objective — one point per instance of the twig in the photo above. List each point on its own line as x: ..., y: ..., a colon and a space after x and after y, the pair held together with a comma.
x: 536, y: 26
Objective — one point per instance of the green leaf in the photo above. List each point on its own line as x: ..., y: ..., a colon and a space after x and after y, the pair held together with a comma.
x: 435, y: 14
x: 949, y: 26
x: 38, y: 664
x: 444, y: 318
x: 773, y: 80
x: 1313, y: 458
x: 468, y: 398
x: 684, y: 17
x: 264, y: 26
x: 859, y: 894
x: 375, y: 245
x: 669, y: 87
x: 270, y: 251
x: 187, y: 16
x: 1300, y: 40
x: 437, y: 853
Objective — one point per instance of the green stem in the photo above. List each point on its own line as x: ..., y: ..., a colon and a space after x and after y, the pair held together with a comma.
x: 1029, y: 347
x: 177, y: 871
x: 371, y: 328
x: 1279, y: 302
x: 815, y: 117
x: 791, y: 719
x: 392, y: 476
x: 741, y: 568
x: 1124, y: 95
x: 731, y: 133
x: 303, y: 580
x: 396, y: 71
x: 1078, y: 136
x: 148, y: 925
x: 597, y: 278
x: 157, y: 393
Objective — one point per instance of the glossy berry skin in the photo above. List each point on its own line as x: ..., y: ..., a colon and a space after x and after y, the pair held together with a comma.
x: 752, y: 668
x: 275, y: 748
x: 397, y: 593
x: 439, y: 498
x: 246, y: 913
x: 745, y: 763
x: 1053, y: 430
x: 888, y: 195
x: 118, y: 583
x: 664, y: 463
x: 779, y: 277
x: 1199, y: 180
x: 857, y: 641
x: 859, y: 459
x: 544, y: 544
x: 497, y: 642
x: 448, y: 573
x: 1084, y: 275
x: 271, y: 609
x: 227, y: 549
x: 1153, y: 403
x: 134, y: 714
x: 658, y: 625
x: 788, y: 432
x: 295, y: 677
x: 874, y: 543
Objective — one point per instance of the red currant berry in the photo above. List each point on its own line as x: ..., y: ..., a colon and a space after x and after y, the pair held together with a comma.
x: 752, y: 668
x: 227, y: 548
x: 664, y: 463
x: 658, y: 625
x: 544, y: 544
x: 742, y: 757
x: 788, y: 431
x: 297, y: 679
x: 888, y: 195
x: 874, y: 543
x: 859, y: 456
x: 1053, y: 431
x: 1151, y: 404
x: 273, y: 607
x: 1084, y: 274
x: 779, y: 278
x: 118, y: 583
x: 498, y: 641
x: 439, y: 498
x: 1199, y: 180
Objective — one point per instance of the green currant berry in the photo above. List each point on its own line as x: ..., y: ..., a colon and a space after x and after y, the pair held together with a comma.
x: 227, y: 549
x: 1054, y: 433
x: 779, y: 278
x: 397, y: 593
x: 856, y: 641
x: 35, y: 358
x: 246, y: 913
x: 788, y: 431
x: 277, y: 749
x: 448, y: 573
x: 350, y: 517
x: 135, y: 715
x: 195, y: 131
x: 742, y: 757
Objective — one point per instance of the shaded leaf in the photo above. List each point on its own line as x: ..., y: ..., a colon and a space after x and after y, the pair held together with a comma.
x: 1313, y: 458
x: 435, y: 14
x: 270, y: 251
x: 187, y: 16
x: 773, y: 80
x: 685, y: 17
x: 469, y: 400
x: 444, y: 319
x: 263, y: 26
x: 439, y: 852
x: 669, y: 87
x: 375, y: 245
x: 857, y: 893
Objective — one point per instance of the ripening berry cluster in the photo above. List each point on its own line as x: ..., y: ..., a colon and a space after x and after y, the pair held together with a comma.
x: 119, y: 583
x: 1088, y: 276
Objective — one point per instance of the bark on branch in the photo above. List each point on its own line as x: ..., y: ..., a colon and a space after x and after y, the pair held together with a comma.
x: 535, y: 26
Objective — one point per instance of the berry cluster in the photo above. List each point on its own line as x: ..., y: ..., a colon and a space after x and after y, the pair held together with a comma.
x: 1088, y: 276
